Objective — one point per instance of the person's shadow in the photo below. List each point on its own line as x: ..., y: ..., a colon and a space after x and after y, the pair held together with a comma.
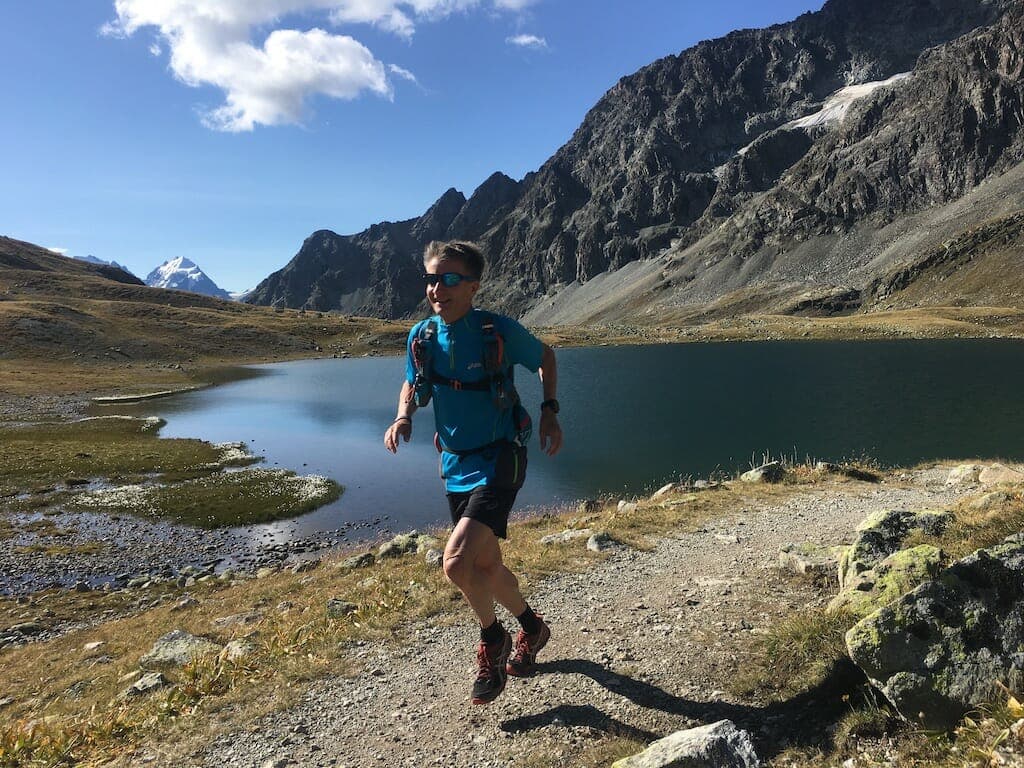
x: 799, y: 721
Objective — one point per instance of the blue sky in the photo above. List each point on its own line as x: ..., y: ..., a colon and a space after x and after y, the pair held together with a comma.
x: 229, y: 130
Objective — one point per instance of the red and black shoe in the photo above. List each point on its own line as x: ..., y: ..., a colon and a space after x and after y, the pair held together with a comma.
x: 524, y: 660
x: 491, y: 675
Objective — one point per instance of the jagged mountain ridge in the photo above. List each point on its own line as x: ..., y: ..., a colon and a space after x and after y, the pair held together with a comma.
x: 182, y: 274
x: 655, y: 165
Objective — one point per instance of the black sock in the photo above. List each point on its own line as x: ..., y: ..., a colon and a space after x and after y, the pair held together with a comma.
x: 529, y: 621
x: 492, y: 634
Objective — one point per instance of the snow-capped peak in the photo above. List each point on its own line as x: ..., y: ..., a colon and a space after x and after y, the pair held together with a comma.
x: 184, y: 275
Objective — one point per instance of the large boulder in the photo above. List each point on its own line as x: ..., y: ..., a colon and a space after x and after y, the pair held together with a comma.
x: 892, y: 578
x: 939, y: 651
x: 883, y: 534
x: 718, y: 745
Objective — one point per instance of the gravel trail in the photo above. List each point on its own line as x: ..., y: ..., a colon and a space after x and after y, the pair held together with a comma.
x: 643, y: 644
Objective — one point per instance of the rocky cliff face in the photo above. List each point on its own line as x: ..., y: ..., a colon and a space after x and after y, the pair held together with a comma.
x: 376, y: 273
x: 703, y: 161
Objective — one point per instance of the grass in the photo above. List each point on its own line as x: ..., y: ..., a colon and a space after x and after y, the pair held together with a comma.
x: 798, y: 654
x: 975, y: 529
x: 177, y: 479
x: 44, y: 455
x: 247, y: 497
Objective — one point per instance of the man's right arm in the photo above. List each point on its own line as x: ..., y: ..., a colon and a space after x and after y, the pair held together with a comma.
x: 402, y: 425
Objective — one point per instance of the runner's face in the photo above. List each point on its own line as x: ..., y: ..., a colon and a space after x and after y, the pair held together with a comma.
x: 450, y: 303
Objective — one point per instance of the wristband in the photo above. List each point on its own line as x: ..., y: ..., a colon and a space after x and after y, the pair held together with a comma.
x: 402, y: 418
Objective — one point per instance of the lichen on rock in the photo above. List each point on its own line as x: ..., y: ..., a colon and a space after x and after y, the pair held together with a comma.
x: 940, y: 650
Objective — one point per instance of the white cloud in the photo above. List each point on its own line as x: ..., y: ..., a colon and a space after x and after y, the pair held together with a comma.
x: 155, y: 49
x: 59, y: 251
x: 403, y: 73
x: 527, y: 41
x: 211, y: 44
x: 513, y: 5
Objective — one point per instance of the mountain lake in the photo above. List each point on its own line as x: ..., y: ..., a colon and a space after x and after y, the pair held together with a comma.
x: 634, y: 417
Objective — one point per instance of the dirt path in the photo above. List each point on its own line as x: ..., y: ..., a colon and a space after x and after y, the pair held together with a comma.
x: 643, y: 645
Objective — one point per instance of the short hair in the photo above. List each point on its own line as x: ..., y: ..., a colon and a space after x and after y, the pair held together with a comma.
x: 469, y: 254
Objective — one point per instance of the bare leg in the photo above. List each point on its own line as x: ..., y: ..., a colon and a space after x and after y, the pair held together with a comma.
x: 472, y: 562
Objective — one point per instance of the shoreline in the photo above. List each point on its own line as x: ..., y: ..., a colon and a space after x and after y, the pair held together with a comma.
x: 243, y: 549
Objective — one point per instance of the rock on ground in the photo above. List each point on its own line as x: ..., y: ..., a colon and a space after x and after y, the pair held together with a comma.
x: 938, y: 651
x: 177, y: 648
x: 718, y: 745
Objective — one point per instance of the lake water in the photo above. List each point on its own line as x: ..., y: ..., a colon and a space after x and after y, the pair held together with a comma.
x: 634, y: 417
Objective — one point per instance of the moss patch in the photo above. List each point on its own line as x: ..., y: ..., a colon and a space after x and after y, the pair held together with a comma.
x: 223, y: 499
x: 40, y: 456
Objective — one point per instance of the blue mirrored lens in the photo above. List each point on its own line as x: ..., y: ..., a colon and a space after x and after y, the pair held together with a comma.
x: 450, y: 279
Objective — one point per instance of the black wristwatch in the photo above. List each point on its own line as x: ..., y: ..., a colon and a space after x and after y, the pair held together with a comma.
x: 552, y: 404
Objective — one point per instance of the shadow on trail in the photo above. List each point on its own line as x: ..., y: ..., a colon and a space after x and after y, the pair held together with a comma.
x: 578, y: 715
x: 798, y: 722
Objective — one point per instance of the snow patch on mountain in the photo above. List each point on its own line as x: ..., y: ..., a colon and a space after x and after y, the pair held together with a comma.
x: 838, y: 104
x: 181, y: 274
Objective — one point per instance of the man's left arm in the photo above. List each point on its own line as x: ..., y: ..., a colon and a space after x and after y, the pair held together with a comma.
x: 550, y: 429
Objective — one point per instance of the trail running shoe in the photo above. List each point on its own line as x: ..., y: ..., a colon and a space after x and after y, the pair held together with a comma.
x: 524, y: 661
x: 491, y: 677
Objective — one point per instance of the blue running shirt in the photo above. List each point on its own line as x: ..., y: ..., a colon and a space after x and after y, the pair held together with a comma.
x: 468, y: 419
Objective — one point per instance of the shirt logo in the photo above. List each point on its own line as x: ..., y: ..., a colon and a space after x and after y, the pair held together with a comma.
x: 471, y: 366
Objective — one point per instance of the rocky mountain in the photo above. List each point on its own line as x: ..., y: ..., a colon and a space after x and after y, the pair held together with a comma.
x: 31, y: 258
x: 183, y: 275
x: 786, y: 168
x: 93, y: 260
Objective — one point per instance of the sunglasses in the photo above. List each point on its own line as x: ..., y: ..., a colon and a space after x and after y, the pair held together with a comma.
x: 447, y: 279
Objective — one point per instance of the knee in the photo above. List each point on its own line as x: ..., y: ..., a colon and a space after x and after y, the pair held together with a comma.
x: 458, y: 568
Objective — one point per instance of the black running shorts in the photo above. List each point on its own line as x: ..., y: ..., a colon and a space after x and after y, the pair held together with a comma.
x: 490, y: 506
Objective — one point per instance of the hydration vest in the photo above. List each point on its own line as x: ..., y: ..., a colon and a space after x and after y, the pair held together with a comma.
x: 497, y: 379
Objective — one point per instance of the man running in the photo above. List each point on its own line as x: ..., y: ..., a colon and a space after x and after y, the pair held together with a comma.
x: 462, y: 358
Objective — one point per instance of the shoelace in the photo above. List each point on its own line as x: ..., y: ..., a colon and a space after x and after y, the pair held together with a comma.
x: 486, y: 666
x: 523, y: 649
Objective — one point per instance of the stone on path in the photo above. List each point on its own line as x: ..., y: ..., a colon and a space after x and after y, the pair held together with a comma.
x: 238, y: 650
x: 364, y: 560
x: 1000, y: 473
x: 771, y: 472
x: 336, y: 608
x: 601, y: 542
x: 146, y: 684
x: 406, y: 543
x: 305, y: 566
x: 808, y: 557
x: 434, y: 557
x: 718, y: 745
x: 964, y: 474
x: 177, y: 648
x: 938, y: 651
x: 566, y: 536
x: 663, y: 491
